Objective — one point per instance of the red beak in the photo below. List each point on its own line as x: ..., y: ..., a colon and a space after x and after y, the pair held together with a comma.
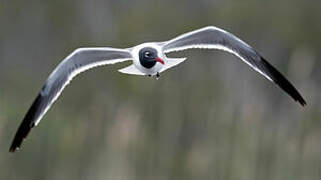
x: 160, y: 60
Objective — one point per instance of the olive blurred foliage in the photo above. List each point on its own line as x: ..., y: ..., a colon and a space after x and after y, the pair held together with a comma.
x: 211, y: 117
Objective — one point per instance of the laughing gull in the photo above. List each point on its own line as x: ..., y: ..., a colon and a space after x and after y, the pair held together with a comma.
x: 147, y: 59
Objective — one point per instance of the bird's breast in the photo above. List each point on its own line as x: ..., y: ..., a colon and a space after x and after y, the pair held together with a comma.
x: 148, y: 71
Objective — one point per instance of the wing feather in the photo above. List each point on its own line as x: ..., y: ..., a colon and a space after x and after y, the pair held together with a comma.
x: 79, y: 61
x: 215, y: 38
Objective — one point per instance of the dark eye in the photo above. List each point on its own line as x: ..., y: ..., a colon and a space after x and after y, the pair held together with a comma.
x: 147, y: 54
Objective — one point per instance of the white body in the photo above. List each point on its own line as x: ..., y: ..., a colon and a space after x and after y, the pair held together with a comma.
x: 137, y: 69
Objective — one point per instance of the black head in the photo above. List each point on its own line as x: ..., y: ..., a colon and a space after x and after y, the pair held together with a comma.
x: 148, y: 57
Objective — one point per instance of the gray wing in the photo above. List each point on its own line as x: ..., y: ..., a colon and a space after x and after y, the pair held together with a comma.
x: 79, y: 61
x: 215, y: 38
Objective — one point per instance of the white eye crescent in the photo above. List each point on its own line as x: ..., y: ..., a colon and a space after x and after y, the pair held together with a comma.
x: 147, y: 54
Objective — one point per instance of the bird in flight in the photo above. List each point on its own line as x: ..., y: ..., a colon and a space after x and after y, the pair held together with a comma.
x: 147, y: 59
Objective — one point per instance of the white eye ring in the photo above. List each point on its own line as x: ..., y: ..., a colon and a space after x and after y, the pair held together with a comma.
x: 147, y: 54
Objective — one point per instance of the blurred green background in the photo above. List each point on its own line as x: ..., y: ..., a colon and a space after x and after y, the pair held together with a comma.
x: 211, y: 117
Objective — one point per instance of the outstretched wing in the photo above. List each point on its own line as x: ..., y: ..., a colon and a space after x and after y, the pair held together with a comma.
x: 215, y: 38
x: 79, y: 61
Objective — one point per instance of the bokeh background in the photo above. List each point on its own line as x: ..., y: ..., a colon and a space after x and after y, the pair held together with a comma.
x: 211, y: 117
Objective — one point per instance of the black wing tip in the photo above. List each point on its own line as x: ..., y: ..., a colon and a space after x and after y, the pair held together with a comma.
x: 21, y: 134
x: 301, y: 101
x: 27, y: 124
x: 284, y: 84
x: 14, y: 148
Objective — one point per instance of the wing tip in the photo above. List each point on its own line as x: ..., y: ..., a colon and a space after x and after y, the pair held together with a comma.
x: 21, y: 134
x: 286, y: 85
x: 301, y: 101
x: 27, y: 124
x: 14, y: 148
x: 16, y: 143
